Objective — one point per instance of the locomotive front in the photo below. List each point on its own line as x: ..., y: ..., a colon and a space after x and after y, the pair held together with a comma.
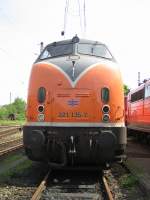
x: 75, y: 106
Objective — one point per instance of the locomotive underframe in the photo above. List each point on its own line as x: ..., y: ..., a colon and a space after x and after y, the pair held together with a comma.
x: 74, y: 146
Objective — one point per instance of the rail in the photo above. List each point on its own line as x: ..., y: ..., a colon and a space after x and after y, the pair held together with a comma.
x: 107, y: 189
x: 77, y: 195
x: 41, y: 188
x: 9, y: 131
x: 17, y: 140
x: 9, y: 146
x: 6, y: 151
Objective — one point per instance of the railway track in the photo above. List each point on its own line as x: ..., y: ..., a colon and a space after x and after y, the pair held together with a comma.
x: 2, y: 127
x: 9, y: 139
x: 4, y: 132
x: 9, y: 146
x: 73, y: 187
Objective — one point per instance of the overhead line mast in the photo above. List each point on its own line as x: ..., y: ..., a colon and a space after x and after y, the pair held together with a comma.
x: 81, y: 15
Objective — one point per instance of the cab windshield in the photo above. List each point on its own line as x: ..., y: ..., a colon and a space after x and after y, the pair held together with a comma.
x: 57, y: 50
x: 94, y: 50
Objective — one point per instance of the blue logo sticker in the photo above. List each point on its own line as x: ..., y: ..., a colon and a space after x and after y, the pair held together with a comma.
x: 73, y: 102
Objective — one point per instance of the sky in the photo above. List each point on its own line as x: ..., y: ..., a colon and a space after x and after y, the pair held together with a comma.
x: 123, y: 25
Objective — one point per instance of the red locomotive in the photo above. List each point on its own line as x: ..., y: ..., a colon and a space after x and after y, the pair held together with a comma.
x: 138, y: 110
x: 75, y: 107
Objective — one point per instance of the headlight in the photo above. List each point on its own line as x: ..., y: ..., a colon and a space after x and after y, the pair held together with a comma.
x: 41, y: 108
x: 106, y: 109
x: 40, y: 117
x: 106, y: 118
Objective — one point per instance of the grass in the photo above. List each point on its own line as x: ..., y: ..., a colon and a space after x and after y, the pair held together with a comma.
x: 11, y: 158
x: 11, y: 122
x: 128, y: 181
x: 137, y: 170
x: 19, y: 169
x: 16, y: 171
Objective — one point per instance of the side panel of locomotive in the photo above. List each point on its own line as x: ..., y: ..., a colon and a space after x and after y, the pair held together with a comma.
x: 81, y: 119
x: 138, y: 113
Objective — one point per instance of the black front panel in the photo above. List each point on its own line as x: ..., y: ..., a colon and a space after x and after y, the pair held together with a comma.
x: 79, y: 66
x: 75, y: 146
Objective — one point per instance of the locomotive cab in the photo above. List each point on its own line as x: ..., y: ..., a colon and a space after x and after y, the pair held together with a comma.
x: 75, y: 47
x: 75, y: 113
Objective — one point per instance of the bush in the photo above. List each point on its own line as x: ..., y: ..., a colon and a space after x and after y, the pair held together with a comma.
x: 3, y: 112
x: 17, y: 108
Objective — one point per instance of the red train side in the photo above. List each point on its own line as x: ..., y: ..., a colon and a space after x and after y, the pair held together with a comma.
x: 138, y: 109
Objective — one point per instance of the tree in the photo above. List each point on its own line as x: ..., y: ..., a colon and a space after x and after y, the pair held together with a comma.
x: 19, y: 105
x: 3, y: 112
x: 17, y: 108
x: 126, y: 89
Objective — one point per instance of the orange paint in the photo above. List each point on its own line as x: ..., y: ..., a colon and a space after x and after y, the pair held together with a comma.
x: 86, y: 93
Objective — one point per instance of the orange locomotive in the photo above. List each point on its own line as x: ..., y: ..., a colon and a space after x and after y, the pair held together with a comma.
x: 75, y: 107
x: 138, y: 111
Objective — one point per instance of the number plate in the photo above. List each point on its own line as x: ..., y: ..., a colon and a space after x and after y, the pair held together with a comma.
x: 72, y: 115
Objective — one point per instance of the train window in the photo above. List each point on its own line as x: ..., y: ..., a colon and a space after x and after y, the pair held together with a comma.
x: 45, y: 54
x: 94, y: 50
x: 105, y: 94
x: 55, y: 50
x: 41, y: 94
x: 147, y: 91
x: 137, y: 95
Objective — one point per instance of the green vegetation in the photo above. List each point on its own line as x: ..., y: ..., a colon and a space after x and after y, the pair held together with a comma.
x: 14, y: 110
x: 11, y: 158
x: 11, y: 123
x: 21, y: 168
x: 128, y: 181
x: 126, y: 89
x: 17, y: 170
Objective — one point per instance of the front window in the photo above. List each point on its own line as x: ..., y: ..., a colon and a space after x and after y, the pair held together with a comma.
x: 54, y: 50
x: 94, y: 50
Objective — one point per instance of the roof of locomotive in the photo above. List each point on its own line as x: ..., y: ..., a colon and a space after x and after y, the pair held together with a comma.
x: 76, y: 39
x: 137, y: 89
x: 141, y: 86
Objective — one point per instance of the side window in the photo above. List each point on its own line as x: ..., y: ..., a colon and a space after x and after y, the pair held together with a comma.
x: 147, y: 91
x: 45, y: 54
x: 137, y: 95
